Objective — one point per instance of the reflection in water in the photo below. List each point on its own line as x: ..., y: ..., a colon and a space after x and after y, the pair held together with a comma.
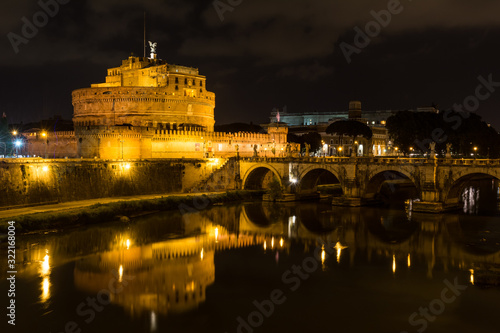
x: 470, y: 198
x: 165, y: 268
x: 45, y: 274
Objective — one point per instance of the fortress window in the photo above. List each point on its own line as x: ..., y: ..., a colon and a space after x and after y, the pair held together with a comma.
x: 185, y: 81
x: 176, y: 87
x: 176, y: 80
x: 201, y: 83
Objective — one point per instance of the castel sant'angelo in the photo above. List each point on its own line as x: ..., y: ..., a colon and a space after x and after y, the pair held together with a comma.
x: 148, y: 108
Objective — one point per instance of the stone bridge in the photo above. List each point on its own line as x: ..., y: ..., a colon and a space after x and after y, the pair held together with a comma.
x: 438, y: 183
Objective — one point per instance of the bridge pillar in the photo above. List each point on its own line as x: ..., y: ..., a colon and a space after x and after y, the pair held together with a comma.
x: 352, y: 194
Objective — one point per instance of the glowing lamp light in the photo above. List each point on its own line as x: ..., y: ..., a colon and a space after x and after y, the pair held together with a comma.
x: 409, y: 261
x: 44, y: 134
x: 281, y: 242
x: 14, y: 133
x: 265, y: 245
x: 127, y: 166
x: 128, y: 243
x: 201, y: 254
x: 120, y: 273
x: 393, y: 263
x: 18, y: 143
x: 216, y: 234
x: 471, y: 276
x: 45, y: 168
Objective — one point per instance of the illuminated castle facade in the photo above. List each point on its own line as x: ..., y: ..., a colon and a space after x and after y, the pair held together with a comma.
x: 148, y: 108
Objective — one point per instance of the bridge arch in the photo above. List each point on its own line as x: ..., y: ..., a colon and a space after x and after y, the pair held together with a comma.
x: 257, y: 176
x: 311, y: 178
x: 375, y: 183
x: 474, y: 183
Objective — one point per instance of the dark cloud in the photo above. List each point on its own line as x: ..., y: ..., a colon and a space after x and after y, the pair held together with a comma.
x: 263, y: 54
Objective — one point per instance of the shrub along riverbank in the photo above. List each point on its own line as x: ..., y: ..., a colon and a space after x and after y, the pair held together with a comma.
x: 100, y: 213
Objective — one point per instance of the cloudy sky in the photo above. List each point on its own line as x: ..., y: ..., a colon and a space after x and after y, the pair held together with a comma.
x: 260, y: 54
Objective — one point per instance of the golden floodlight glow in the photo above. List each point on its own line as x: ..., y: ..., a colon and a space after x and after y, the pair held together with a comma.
x: 44, y: 134
x: 45, y: 289
x: 323, y: 254
x: 127, y: 166
x: 45, y: 265
x: 201, y: 254
x: 14, y: 133
x: 265, y: 245
x: 45, y: 168
x: 281, y: 242
x: 394, y: 263
x: 339, y: 248
x: 272, y: 243
x: 471, y: 276
x: 128, y: 243
x: 216, y: 234
x: 120, y: 273
x: 409, y: 261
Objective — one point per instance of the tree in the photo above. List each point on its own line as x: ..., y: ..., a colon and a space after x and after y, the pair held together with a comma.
x: 314, y: 139
x: 463, y: 130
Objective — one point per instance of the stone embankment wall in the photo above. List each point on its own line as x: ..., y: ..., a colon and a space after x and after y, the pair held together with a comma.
x: 32, y: 181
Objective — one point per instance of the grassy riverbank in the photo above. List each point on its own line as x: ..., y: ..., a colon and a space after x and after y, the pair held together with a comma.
x: 100, y: 213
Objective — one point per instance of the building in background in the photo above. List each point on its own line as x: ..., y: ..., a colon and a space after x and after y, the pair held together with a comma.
x: 379, y: 145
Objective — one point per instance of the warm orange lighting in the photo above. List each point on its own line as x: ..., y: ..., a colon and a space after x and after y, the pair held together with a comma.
x: 14, y: 133
x: 201, y: 254
x: 323, y: 254
x: 396, y: 148
x: 471, y: 276
x: 272, y: 243
x: 339, y: 249
x: 45, y: 168
x: 281, y: 242
x: 411, y: 148
x: 394, y: 263
x: 127, y: 166
x: 120, y: 273
x: 409, y: 261
x: 340, y: 148
x: 44, y: 134
x: 216, y: 234
x: 475, y: 148
x: 128, y: 243
x: 265, y: 245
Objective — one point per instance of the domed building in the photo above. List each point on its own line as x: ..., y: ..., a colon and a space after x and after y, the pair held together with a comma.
x: 148, y: 108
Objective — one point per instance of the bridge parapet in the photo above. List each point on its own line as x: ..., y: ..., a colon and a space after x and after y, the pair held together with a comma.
x: 437, y: 181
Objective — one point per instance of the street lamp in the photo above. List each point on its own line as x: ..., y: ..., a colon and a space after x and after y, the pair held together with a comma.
x: 14, y: 133
x: 18, y: 143
x: 475, y: 151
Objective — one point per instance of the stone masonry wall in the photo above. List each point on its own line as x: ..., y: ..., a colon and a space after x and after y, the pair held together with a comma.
x: 34, y: 181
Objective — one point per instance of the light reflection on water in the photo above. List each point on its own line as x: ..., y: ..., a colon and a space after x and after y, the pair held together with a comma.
x: 173, y: 258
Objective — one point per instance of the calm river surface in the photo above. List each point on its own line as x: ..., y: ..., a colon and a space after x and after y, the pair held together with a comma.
x: 262, y: 267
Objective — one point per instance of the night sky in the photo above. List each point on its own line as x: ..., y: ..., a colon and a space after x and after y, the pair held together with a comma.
x: 264, y: 54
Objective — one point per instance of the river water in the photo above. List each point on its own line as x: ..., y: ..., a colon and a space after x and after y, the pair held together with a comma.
x: 263, y: 267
